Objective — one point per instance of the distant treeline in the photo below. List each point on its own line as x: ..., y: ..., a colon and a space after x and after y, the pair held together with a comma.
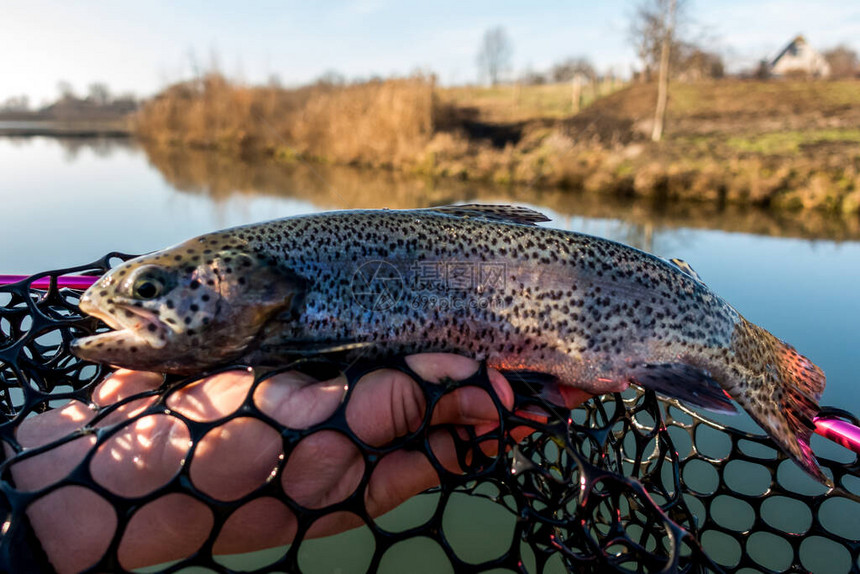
x: 99, y: 105
x: 786, y: 145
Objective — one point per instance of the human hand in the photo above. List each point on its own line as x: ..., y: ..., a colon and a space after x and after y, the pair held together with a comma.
x: 234, y: 458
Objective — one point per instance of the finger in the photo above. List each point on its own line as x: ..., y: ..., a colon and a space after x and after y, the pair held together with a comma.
x: 143, y: 456
x: 53, y: 425
x: 384, y: 405
x: 74, y: 526
x: 213, y: 397
x: 264, y: 522
x: 42, y: 470
x: 573, y: 397
x: 124, y: 383
x: 471, y: 405
x: 170, y: 527
x: 402, y: 474
x: 323, y: 469
x: 298, y: 401
x: 436, y: 367
x: 387, y: 404
x: 253, y: 449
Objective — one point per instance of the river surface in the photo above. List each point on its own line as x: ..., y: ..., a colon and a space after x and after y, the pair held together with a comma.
x: 67, y: 202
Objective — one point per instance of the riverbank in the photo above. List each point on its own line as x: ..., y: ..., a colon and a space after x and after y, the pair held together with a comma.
x: 786, y: 146
x: 50, y: 128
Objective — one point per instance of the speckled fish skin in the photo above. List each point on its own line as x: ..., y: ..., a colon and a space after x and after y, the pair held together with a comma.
x: 482, y: 281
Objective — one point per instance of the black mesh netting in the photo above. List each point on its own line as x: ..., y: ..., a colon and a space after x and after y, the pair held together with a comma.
x: 627, y: 483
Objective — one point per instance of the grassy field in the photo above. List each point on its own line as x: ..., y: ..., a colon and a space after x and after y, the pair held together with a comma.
x: 785, y: 145
x: 518, y: 103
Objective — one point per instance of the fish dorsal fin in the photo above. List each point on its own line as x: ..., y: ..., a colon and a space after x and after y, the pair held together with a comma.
x: 506, y: 213
x: 686, y: 268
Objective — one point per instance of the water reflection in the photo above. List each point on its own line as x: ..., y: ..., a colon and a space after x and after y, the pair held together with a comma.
x: 334, y: 187
x: 102, y: 147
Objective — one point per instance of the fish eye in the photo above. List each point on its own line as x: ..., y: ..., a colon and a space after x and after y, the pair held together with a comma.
x: 149, y: 282
x: 147, y: 288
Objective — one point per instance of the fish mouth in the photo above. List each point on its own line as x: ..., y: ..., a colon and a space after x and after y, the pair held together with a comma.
x: 130, y: 324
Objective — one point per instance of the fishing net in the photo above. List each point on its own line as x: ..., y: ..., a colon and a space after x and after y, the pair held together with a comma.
x: 626, y: 482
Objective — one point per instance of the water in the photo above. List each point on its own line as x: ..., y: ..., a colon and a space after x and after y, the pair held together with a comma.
x: 67, y: 202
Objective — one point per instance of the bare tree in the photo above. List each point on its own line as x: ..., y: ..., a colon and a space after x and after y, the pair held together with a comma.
x: 16, y: 104
x: 530, y: 77
x: 494, y: 58
x: 568, y: 69
x: 691, y: 62
x: 843, y: 62
x: 331, y: 78
x: 67, y: 92
x: 653, y: 32
x: 99, y: 93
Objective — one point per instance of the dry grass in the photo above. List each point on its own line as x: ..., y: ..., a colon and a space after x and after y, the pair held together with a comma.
x: 378, y: 123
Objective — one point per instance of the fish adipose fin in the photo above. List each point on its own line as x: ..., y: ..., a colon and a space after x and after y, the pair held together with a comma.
x: 780, y: 388
x: 686, y: 383
x: 504, y: 213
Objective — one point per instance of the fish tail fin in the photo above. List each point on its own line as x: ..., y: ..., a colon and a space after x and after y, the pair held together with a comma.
x: 780, y: 388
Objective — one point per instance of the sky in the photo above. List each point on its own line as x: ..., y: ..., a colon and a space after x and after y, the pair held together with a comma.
x: 141, y: 47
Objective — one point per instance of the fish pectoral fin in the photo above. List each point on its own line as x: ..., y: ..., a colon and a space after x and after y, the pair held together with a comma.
x: 504, y: 213
x: 545, y: 391
x: 684, y: 382
x: 311, y: 348
x: 534, y: 383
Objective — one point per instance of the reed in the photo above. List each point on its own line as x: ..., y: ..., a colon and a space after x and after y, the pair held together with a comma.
x: 384, y: 123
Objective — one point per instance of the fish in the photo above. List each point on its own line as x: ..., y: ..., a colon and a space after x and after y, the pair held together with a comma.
x: 484, y: 281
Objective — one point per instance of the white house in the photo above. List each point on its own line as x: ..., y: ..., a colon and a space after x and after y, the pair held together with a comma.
x: 799, y: 58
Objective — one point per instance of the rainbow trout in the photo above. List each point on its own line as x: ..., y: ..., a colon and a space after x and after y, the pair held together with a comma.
x: 482, y: 281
